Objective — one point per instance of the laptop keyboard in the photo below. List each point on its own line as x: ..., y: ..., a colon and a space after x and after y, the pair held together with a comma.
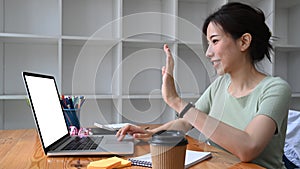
x: 84, y: 143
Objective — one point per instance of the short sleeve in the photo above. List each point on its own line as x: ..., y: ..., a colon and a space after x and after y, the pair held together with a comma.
x: 274, y: 101
x: 204, y: 103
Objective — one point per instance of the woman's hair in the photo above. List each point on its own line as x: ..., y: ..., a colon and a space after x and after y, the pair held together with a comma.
x: 237, y: 19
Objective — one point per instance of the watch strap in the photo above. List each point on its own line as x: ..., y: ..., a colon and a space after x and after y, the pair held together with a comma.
x: 185, y: 110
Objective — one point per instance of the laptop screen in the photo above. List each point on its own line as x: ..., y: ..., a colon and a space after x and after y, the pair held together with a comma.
x: 46, y: 106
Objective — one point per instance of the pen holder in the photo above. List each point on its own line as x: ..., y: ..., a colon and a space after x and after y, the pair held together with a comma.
x: 72, y: 117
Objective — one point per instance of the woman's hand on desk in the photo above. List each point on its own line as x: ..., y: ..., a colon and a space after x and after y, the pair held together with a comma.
x: 136, y: 131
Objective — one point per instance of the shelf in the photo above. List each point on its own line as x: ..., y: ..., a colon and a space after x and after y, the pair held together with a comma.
x: 13, y: 97
x: 17, y: 115
x: 150, y: 96
x: 151, y: 20
x: 138, y: 111
x: 33, y: 17
x: 296, y: 95
x: 190, y: 95
x: 287, y: 22
x: 84, y: 40
x: 141, y: 6
x: 191, y: 68
x: 287, y: 64
x: 287, y: 4
x: 27, y: 38
x: 22, y: 97
x: 145, y: 42
x: 191, y: 15
x: 19, y: 57
x: 84, y: 18
x: 99, y: 96
x: 287, y: 48
x: 89, y: 69
x: 191, y: 43
x: 145, y: 76
x: 101, y: 110
x: 91, y: 38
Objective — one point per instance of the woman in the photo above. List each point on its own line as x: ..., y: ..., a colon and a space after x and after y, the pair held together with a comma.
x: 243, y: 111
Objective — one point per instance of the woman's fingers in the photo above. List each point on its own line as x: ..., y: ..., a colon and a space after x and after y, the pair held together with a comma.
x: 169, y: 61
x: 135, y: 131
x: 141, y: 135
x: 167, y: 50
x: 123, y: 130
x: 121, y: 137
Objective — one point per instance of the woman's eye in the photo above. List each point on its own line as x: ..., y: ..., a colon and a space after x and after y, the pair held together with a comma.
x: 215, y: 41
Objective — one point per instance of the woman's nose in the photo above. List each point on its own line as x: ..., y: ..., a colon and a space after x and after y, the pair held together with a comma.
x: 209, y: 53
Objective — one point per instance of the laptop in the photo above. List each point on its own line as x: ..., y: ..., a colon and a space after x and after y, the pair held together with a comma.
x: 52, y: 127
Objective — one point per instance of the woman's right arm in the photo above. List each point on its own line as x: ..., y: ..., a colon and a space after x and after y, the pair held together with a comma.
x: 170, y: 96
x: 141, y: 133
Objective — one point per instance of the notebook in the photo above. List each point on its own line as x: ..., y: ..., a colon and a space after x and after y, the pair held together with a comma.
x: 191, y: 158
x: 52, y: 127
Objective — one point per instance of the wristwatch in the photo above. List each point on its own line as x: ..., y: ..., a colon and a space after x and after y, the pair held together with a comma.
x: 185, y: 109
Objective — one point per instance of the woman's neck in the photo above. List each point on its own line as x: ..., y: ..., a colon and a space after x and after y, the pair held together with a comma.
x: 244, y: 81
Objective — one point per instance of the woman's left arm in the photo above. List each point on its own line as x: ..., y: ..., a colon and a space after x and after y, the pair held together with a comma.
x: 246, y: 145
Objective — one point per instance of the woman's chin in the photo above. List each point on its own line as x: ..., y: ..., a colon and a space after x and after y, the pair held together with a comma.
x: 220, y: 72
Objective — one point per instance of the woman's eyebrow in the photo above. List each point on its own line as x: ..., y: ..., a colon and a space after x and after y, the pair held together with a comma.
x: 212, y: 36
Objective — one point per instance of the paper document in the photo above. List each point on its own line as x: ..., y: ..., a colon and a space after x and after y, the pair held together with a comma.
x: 111, y: 127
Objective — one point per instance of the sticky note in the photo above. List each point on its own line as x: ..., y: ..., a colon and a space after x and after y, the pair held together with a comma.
x: 109, y: 163
x: 104, y: 164
x: 124, y: 163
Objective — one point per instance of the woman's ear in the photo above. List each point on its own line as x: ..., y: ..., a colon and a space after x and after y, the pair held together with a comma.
x: 245, y: 41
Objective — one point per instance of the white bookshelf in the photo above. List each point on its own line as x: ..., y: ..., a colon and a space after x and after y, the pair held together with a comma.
x: 148, y: 20
x: 287, y: 50
x: 111, y: 52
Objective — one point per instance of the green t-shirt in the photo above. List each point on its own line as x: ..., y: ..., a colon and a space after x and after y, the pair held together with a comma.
x: 270, y: 97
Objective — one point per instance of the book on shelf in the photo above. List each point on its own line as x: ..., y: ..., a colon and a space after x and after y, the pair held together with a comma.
x: 191, y: 158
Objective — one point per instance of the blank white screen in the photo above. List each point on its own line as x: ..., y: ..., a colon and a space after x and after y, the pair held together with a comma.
x: 47, y: 108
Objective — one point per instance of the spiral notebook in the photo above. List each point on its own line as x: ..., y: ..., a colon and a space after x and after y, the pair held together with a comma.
x: 191, y: 158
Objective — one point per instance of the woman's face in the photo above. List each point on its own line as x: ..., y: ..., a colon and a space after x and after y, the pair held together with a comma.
x: 223, y: 51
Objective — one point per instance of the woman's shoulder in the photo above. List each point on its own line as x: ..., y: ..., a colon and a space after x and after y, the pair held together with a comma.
x: 274, y: 80
x: 275, y: 83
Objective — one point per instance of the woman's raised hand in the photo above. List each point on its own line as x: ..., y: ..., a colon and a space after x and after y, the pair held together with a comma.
x: 168, y: 86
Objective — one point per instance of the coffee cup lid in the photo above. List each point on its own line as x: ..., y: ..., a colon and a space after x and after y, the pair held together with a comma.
x: 169, y: 138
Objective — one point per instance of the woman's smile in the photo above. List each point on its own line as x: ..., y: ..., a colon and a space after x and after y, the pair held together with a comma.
x: 216, y: 63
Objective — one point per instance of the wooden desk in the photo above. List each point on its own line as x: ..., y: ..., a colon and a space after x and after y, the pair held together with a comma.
x: 22, y: 149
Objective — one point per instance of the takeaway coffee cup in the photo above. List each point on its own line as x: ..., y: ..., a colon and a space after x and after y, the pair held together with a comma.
x: 168, y: 149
